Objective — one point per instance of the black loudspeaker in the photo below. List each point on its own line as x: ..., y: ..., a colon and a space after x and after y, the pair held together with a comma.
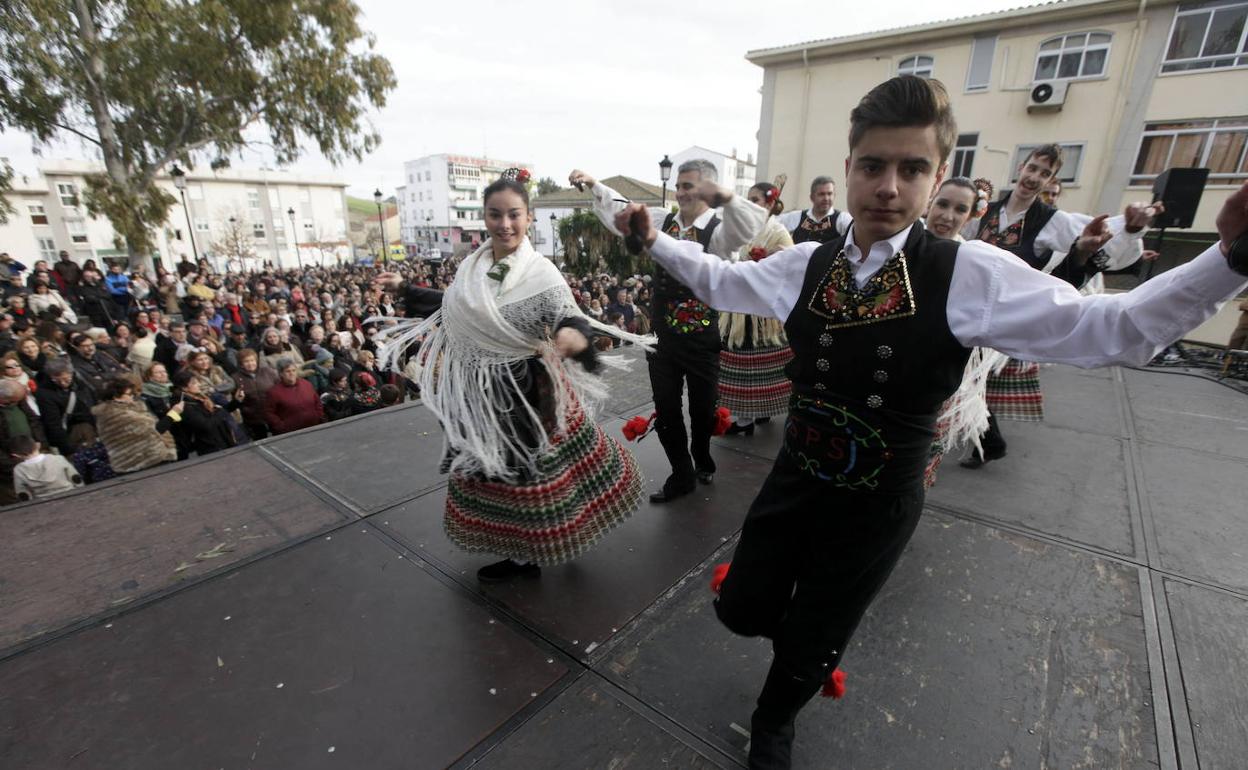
x: 1179, y: 189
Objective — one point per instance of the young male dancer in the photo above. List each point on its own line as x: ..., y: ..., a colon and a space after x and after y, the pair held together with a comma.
x: 1047, y: 238
x: 881, y: 323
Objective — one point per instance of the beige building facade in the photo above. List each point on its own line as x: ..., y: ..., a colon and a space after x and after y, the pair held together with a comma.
x: 1135, y: 88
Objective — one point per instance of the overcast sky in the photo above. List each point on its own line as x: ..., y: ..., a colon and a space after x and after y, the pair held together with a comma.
x: 607, y: 86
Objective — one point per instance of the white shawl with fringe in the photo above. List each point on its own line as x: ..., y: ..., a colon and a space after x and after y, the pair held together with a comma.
x: 469, y: 345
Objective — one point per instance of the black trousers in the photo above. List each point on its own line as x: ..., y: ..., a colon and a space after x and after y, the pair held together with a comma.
x: 992, y: 440
x: 672, y: 369
x: 810, y: 560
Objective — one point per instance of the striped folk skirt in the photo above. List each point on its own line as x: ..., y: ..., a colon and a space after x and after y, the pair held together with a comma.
x: 587, y: 484
x: 752, y: 382
x: 1014, y: 393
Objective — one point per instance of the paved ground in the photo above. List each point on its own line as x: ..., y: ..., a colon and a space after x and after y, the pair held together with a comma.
x: 294, y: 604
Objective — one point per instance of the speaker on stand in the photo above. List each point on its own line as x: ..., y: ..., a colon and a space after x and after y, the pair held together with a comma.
x: 1180, y: 190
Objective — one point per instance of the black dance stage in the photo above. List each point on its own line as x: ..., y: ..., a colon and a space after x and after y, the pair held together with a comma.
x: 295, y: 604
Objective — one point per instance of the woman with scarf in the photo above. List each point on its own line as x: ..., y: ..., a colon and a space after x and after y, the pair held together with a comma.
x: 964, y: 415
x: 157, y: 394
x: 533, y: 477
x: 752, y: 384
x: 272, y: 348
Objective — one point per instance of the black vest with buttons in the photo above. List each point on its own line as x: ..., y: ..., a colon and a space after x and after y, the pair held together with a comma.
x: 870, y: 380
x: 1018, y: 240
x: 823, y: 231
x: 678, y: 317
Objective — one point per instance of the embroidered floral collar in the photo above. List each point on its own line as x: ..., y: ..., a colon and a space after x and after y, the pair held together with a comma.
x: 887, y: 295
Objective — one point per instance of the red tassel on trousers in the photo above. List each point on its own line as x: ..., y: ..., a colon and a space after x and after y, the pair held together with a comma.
x: 834, y: 687
x: 637, y: 427
x: 717, y: 576
x: 723, y: 421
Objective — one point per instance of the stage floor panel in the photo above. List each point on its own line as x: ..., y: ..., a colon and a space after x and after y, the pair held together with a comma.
x: 984, y: 649
x: 106, y: 546
x: 336, y: 653
x: 370, y: 462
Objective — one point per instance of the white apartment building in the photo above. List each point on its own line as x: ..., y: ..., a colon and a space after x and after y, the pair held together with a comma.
x: 1128, y: 88
x: 735, y: 173
x: 440, y: 201
x: 286, y: 217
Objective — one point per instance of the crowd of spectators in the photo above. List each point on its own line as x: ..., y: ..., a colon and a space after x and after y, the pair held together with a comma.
x: 108, y: 372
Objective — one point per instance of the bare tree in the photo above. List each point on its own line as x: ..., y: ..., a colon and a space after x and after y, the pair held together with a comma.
x: 232, y: 238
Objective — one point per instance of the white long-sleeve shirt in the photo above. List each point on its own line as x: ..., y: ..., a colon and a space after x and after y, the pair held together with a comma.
x: 739, y: 223
x: 995, y: 299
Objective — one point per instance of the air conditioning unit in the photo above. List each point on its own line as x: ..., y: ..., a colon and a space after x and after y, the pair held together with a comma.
x: 1047, y: 97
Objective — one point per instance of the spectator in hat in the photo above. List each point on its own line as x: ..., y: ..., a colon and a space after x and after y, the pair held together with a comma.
x: 365, y: 396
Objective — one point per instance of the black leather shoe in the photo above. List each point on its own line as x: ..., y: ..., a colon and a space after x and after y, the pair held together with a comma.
x: 977, y: 460
x: 705, y: 477
x: 505, y: 570
x: 666, y: 495
x: 736, y: 428
x: 762, y: 421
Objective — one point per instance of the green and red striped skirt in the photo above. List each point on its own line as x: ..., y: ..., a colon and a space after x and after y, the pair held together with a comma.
x: 1014, y: 393
x: 587, y: 484
x: 752, y: 382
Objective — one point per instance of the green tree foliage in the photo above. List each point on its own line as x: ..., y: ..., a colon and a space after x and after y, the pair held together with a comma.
x: 588, y: 247
x: 152, y: 82
x: 546, y: 185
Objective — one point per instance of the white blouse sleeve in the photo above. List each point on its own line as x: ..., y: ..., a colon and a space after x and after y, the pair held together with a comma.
x: 739, y: 222
x: 996, y: 300
x: 767, y: 288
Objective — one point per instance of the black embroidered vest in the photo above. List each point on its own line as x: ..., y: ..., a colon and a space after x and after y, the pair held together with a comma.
x: 810, y: 230
x: 677, y: 315
x: 872, y: 366
x: 1019, y: 238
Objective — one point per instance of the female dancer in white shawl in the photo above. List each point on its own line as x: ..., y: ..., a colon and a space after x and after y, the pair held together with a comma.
x: 964, y: 415
x: 533, y: 478
x: 752, y: 383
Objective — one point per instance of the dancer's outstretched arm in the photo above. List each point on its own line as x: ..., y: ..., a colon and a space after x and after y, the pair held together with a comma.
x: 997, y: 301
x: 768, y: 288
x: 739, y: 223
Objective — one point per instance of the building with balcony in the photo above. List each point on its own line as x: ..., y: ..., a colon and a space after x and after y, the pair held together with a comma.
x: 1133, y: 87
x: 257, y: 204
x: 440, y: 206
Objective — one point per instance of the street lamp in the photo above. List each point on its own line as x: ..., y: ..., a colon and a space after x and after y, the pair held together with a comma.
x: 554, y: 236
x: 381, y: 222
x: 665, y: 173
x: 294, y: 236
x: 179, y: 181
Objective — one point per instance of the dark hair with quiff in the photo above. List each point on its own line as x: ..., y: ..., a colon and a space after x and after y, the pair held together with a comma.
x: 902, y: 102
x: 1051, y: 153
